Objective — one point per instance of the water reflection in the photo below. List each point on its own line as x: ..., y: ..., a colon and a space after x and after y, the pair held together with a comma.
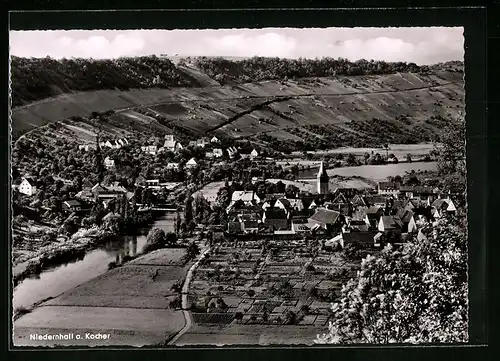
x: 52, y: 282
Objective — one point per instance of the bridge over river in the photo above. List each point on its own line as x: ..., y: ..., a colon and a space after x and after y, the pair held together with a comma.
x: 159, y: 207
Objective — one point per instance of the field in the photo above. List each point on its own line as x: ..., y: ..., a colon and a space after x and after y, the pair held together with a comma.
x: 250, y: 110
x: 130, y: 302
x: 379, y: 173
x: 260, y: 297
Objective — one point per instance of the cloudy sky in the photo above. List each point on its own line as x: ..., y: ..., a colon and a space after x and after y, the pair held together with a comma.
x: 418, y: 45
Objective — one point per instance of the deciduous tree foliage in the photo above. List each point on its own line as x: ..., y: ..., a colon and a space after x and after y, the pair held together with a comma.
x: 417, y: 294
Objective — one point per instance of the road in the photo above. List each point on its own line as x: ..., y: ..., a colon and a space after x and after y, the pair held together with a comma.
x: 184, y: 294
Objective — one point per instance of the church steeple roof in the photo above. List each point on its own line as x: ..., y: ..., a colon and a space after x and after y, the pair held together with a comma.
x: 322, y: 171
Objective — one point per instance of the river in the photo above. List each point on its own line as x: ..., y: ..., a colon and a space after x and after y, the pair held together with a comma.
x: 58, y: 279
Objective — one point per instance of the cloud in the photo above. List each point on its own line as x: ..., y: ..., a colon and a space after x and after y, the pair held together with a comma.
x: 419, y: 45
x: 269, y: 44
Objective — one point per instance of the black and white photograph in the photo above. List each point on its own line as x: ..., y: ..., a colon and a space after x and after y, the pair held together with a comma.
x: 238, y: 187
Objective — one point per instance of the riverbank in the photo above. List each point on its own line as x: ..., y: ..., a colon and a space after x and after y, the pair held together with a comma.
x: 64, y: 250
x: 131, y: 303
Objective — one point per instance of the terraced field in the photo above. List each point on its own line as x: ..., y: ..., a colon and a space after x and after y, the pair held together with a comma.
x: 282, y: 110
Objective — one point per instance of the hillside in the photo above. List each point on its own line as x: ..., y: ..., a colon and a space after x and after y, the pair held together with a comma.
x: 302, y: 114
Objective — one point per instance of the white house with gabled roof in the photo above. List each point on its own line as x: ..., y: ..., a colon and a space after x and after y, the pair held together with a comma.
x: 27, y: 186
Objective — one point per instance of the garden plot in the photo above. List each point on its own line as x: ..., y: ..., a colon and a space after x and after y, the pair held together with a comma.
x: 283, y: 290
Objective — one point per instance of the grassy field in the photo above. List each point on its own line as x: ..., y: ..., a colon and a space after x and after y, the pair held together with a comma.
x: 130, y: 301
x: 282, y: 299
x: 234, y: 111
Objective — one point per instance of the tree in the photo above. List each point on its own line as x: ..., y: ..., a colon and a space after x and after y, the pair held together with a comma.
x: 155, y: 239
x: 192, y: 251
x: 451, y: 158
x: 417, y: 294
x: 351, y: 159
x: 366, y: 156
x: 171, y: 239
x: 238, y: 316
x: 408, y: 158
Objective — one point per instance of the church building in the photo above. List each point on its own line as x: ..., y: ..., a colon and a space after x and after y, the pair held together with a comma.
x: 322, y: 180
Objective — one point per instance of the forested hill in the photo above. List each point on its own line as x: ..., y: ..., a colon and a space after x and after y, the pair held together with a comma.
x: 35, y: 79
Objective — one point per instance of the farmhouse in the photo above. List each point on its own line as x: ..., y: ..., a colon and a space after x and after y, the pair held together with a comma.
x: 254, y: 154
x: 214, y: 140
x: 389, y: 188
x: 27, y: 186
x: 109, y: 163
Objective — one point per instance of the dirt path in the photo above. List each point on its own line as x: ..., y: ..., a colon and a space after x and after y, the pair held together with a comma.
x: 185, y: 307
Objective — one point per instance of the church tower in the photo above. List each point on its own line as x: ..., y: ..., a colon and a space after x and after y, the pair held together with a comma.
x: 322, y: 180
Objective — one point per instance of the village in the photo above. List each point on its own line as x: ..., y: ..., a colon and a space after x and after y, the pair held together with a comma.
x: 275, y: 253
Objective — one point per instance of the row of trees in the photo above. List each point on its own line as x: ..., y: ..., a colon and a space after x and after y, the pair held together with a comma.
x: 260, y: 68
x: 38, y: 78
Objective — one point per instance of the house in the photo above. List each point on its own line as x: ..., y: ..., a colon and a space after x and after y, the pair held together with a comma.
x: 109, y: 163
x: 249, y: 222
x: 214, y: 140
x: 355, y: 225
x: 364, y: 239
x: 390, y: 224
x: 376, y: 200
x: 441, y: 207
x: 275, y: 218
x: 171, y: 144
x: 296, y: 204
x: 299, y: 225
x: 419, y: 192
x: 268, y: 204
x: 326, y: 219
x: 202, y: 142
x: 191, y: 163
x: 373, y: 215
x: 408, y: 219
x: 85, y: 195
x: 173, y: 166
x: 248, y: 197
x: 284, y: 204
x: 87, y: 147
x: 218, y: 153
x: 232, y: 152
x: 106, y: 144
x: 254, y: 154
x: 72, y: 206
x: 358, y: 201
x: 389, y: 188
x: 27, y: 186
